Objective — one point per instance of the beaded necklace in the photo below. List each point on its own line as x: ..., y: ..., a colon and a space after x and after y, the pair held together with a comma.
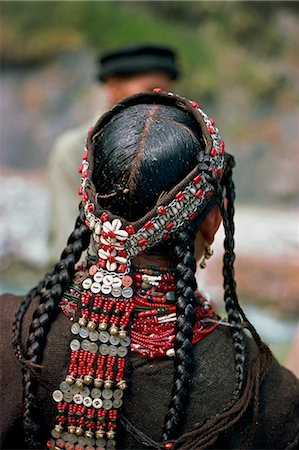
x: 103, y: 330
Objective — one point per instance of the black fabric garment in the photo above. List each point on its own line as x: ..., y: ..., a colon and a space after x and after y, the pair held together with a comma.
x: 148, y: 395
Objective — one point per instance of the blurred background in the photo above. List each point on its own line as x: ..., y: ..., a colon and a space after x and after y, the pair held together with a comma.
x: 239, y: 60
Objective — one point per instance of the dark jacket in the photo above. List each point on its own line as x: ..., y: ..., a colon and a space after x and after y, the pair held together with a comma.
x: 148, y: 396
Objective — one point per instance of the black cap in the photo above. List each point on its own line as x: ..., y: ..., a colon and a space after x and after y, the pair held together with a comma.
x: 138, y: 59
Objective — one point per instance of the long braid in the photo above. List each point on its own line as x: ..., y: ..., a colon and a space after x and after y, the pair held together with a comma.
x: 42, y: 319
x: 183, y: 256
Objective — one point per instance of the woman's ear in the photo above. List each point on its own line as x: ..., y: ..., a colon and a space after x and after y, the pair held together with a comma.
x: 210, y: 225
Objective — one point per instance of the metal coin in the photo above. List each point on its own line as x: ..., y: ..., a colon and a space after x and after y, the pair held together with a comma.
x: 106, y: 289
x: 85, y: 391
x: 75, y: 328
x: 93, y: 336
x: 127, y: 292
x: 104, y: 337
x: 87, y: 401
x: 104, y: 349
x: 107, y: 394
x: 118, y: 393
x: 93, y: 347
x: 114, y: 340
x: 98, y: 277
x: 95, y: 288
x: 57, y: 395
x: 64, y: 387
x: 84, y: 332
x: 75, y: 344
x: 108, y: 280
x: 100, y: 442
x: 107, y: 404
x: 97, y: 403
x: 122, y: 351
x: 125, y: 342
x: 87, y: 283
x: 68, y: 397
x: 117, y: 402
x: 85, y: 345
x: 96, y: 393
x: 78, y: 399
x: 112, y: 350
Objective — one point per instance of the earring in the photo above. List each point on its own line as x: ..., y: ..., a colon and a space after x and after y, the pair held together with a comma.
x: 207, y: 255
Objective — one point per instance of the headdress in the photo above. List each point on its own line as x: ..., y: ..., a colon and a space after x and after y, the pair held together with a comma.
x: 100, y: 331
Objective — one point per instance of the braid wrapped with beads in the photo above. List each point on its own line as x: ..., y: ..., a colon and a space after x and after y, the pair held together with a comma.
x: 49, y: 292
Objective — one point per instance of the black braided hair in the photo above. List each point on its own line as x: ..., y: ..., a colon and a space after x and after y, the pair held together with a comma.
x: 184, y: 260
x: 50, y: 292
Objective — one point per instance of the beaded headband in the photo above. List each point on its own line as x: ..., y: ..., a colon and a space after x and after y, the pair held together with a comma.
x: 117, y: 240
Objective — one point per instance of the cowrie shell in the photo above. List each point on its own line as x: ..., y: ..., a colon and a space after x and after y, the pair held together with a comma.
x: 111, y: 266
x: 116, y: 224
x: 102, y: 254
x: 107, y: 227
x: 121, y: 260
x: 121, y: 235
x: 97, y: 229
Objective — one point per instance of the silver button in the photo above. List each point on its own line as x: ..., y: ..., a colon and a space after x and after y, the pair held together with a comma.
x: 104, y: 336
x: 127, y: 292
x: 93, y: 336
x: 64, y: 387
x: 100, y: 442
x: 96, y: 393
x: 95, y: 288
x: 108, y: 280
x: 118, y: 393
x: 78, y: 399
x: 68, y: 397
x: 87, y: 283
x: 117, y: 402
x: 87, y: 401
x: 71, y: 438
x: 74, y: 389
x: 93, y: 347
x: 84, y: 332
x: 107, y: 394
x: 75, y: 328
x: 122, y: 351
x: 125, y: 342
x: 114, y: 340
x: 112, y: 350
x: 111, y: 443
x: 57, y: 395
x: 75, y: 344
x: 85, y: 391
x: 107, y: 404
x: 82, y: 441
x: 85, y: 345
x: 106, y: 289
x: 104, y: 349
x: 97, y: 403
x: 98, y: 277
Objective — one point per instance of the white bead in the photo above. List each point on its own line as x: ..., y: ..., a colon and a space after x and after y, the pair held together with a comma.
x: 170, y: 352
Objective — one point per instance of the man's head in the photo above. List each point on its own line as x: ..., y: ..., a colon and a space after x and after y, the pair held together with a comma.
x: 137, y: 69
